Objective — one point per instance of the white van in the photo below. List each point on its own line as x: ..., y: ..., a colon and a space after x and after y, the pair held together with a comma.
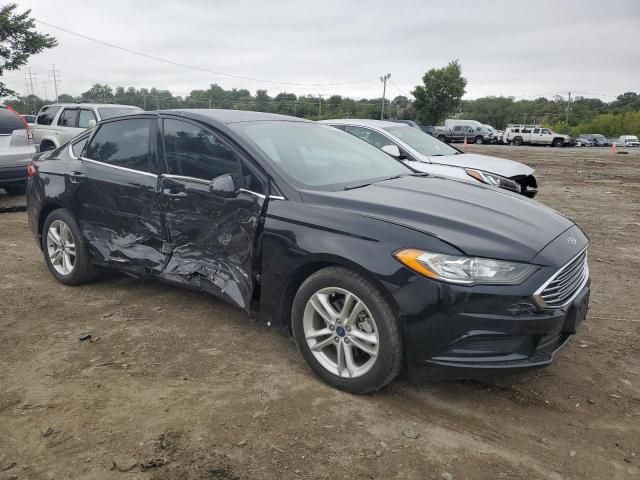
x: 629, y: 141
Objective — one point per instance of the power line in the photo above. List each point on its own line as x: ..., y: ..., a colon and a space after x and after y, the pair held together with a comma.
x: 192, y: 67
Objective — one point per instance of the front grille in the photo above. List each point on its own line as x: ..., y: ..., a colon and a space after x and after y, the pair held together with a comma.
x: 560, y: 289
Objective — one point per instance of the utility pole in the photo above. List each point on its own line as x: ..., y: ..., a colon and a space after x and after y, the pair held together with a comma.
x: 568, y: 109
x: 44, y: 86
x: 320, y: 106
x: 30, y: 76
x: 54, y: 75
x: 384, y: 79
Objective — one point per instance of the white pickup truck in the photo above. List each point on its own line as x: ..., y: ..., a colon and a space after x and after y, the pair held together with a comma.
x: 535, y: 135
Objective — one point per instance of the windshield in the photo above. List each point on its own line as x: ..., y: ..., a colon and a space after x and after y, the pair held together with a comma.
x: 421, y: 141
x: 110, y: 112
x: 320, y: 157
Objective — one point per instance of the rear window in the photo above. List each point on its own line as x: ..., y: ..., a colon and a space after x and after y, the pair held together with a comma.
x: 9, y: 122
x: 45, y: 117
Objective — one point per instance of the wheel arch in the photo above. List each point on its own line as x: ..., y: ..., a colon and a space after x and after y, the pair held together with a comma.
x: 282, y: 315
x: 45, y: 211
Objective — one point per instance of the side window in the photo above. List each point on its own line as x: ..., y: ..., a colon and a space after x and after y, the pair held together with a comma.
x: 68, y: 117
x: 516, y: 130
x: 457, y: 129
x: 252, y: 180
x: 339, y: 127
x: 536, y: 130
x: 45, y: 117
x: 545, y: 131
x: 124, y: 143
x: 85, y: 116
x: 374, y: 138
x: 78, y: 146
x: 191, y: 151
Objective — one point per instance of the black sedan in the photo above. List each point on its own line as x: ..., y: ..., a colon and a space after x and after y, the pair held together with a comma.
x: 372, y: 266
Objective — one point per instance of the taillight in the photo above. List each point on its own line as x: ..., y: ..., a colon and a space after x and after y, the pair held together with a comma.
x: 31, y: 170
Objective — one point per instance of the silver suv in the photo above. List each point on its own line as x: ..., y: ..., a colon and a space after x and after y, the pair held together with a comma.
x: 16, y: 151
x: 58, y: 123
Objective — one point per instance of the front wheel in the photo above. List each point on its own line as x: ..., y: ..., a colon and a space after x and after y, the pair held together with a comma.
x: 65, y: 251
x: 346, y: 331
x: 479, y: 140
x: 558, y: 142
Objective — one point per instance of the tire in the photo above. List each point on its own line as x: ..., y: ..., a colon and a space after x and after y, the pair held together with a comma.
x: 16, y: 190
x: 557, y: 142
x: 517, y: 141
x: 82, y: 269
x: 372, y: 318
x: 479, y: 140
x: 442, y: 138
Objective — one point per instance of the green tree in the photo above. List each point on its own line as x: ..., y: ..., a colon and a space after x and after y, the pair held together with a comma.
x: 440, y: 93
x: 18, y: 41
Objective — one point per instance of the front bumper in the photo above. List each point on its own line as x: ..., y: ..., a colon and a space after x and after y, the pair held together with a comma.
x: 456, y: 331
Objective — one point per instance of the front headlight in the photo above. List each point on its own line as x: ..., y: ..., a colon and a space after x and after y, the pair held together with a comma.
x: 493, y: 179
x: 464, y: 270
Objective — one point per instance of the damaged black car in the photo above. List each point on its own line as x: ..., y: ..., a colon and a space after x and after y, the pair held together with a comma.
x: 372, y: 267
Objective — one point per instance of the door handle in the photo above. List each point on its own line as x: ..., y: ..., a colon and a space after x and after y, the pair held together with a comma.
x: 77, y: 177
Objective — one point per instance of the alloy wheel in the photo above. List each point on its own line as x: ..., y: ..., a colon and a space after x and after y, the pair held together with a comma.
x: 341, y: 332
x: 61, y: 247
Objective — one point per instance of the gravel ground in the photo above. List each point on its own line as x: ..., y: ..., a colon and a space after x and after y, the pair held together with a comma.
x: 177, y: 385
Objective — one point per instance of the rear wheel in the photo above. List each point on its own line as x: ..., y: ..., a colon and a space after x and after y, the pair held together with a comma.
x: 517, y: 141
x: 346, y: 331
x: 15, y: 190
x: 479, y: 140
x: 65, y: 251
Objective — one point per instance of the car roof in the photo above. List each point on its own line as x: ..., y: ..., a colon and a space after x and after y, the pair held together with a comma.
x: 94, y: 105
x: 365, y: 122
x: 230, y: 116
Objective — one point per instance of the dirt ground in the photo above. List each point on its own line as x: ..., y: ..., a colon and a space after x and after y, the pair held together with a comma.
x: 177, y: 385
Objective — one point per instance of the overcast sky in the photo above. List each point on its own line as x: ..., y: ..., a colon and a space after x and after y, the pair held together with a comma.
x: 514, y: 48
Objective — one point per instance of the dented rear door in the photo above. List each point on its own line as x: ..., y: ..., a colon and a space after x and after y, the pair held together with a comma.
x: 116, y: 193
x: 212, y: 237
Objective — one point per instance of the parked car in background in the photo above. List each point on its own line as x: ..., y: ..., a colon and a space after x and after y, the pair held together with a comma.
x: 16, y: 151
x: 458, y: 131
x: 597, y: 139
x: 629, y: 141
x: 427, y: 154
x: 30, y: 119
x: 584, y: 141
x: 58, y: 123
x: 497, y: 134
x: 371, y: 266
x: 411, y: 123
x: 535, y: 135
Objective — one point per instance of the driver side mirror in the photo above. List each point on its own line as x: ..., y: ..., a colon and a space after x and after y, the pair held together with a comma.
x: 227, y: 185
x: 392, y: 150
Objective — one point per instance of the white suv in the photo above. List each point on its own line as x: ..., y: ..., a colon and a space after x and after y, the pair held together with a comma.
x: 534, y: 135
x: 58, y: 123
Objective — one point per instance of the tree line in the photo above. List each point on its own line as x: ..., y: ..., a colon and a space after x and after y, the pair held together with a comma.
x: 438, y: 96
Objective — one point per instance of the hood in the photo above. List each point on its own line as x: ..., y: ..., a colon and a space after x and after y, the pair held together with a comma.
x: 506, y: 168
x: 478, y: 220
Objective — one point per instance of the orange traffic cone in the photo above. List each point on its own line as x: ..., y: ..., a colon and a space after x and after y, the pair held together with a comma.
x: 465, y: 144
x: 614, y: 149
